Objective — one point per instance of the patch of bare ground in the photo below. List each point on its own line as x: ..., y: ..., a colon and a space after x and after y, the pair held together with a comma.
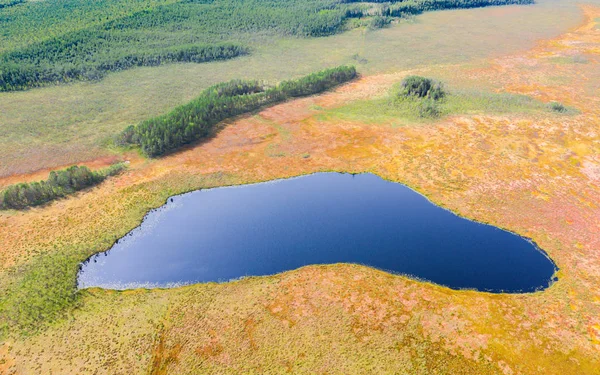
x: 535, y: 175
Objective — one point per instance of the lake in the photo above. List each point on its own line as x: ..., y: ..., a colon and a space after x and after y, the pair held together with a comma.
x: 261, y: 229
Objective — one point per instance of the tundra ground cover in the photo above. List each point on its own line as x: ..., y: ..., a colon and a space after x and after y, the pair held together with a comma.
x: 535, y: 173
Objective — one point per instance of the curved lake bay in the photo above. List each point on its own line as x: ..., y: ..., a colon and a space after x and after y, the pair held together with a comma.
x: 252, y: 230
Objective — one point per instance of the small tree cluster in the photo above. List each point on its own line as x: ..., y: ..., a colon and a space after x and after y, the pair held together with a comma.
x: 558, y: 107
x: 59, y: 184
x: 422, y: 87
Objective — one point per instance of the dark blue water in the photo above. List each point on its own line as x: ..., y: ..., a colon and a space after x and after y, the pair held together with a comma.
x: 262, y: 229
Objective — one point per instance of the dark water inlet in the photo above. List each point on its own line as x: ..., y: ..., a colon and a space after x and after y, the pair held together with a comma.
x: 252, y: 230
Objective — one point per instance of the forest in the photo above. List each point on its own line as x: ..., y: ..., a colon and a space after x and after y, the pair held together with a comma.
x: 9, y: 3
x: 78, y: 59
x: 59, y: 184
x: 36, y: 52
x: 197, y: 119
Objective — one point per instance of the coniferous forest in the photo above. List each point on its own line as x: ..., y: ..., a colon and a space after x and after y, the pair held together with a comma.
x: 197, y: 119
x: 60, y: 41
x: 25, y: 69
x: 9, y: 3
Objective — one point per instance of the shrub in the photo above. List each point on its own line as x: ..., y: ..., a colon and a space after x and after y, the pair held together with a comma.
x: 422, y: 87
x: 126, y: 137
x: 378, y: 22
x: 429, y: 108
x: 558, y: 107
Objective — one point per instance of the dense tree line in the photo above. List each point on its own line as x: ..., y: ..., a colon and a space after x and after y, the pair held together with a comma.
x: 235, y: 18
x: 60, y: 60
x: 123, y: 34
x: 196, y: 120
x: 401, y: 8
x: 414, y: 7
x: 59, y: 184
x: 189, y: 31
x: 313, y: 83
x: 10, y: 3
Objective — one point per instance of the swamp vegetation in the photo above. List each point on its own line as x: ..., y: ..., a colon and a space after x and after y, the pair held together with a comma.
x: 50, y: 326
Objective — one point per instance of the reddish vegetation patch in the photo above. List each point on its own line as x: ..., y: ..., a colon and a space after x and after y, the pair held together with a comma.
x: 6, y: 360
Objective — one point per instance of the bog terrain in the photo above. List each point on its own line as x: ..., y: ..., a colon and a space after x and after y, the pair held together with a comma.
x: 514, y: 143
